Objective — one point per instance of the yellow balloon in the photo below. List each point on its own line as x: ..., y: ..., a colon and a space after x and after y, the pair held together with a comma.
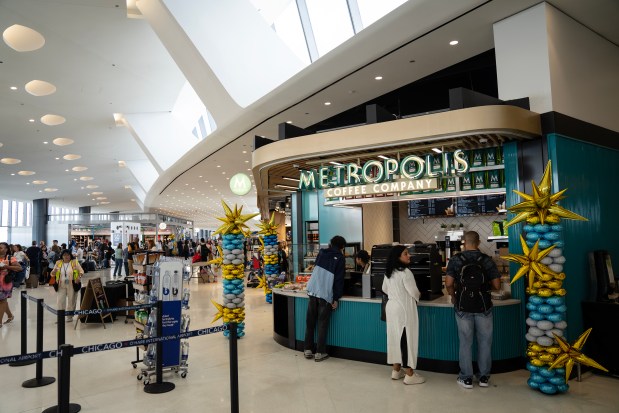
x: 533, y: 220
x: 537, y: 362
x: 560, y: 276
x: 532, y: 354
x: 548, y: 358
x: 554, y: 285
x: 560, y: 292
x: 544, y: 292
x: 536, y: 347
x: 553, y: 350
x: 538, y: 284
x: 531, y: 291
x: 553, y: 219
x: 545, y: 277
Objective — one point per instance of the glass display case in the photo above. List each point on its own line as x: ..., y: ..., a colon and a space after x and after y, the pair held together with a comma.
x: 350, y: 252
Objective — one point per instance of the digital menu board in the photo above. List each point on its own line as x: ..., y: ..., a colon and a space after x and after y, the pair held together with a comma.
x: 420, y: 208
x: 474, y: 205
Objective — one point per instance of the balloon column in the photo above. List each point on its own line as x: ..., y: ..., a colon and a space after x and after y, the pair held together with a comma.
x: 550, y: 356
x: 268, y: 230
x: 232, y: 258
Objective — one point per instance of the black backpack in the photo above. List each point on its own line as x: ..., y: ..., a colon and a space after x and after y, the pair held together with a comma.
x: 473, y: 293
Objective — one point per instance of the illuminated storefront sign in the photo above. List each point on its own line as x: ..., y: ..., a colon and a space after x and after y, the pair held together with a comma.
x: 411, y: 173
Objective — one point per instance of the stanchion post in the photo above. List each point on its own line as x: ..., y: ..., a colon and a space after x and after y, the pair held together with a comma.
x: 39, y: 380
x: 24, y: 332
x: 64, y: 382
x: 60, y: 320
x: 159, y: 386
x: 234, y: 369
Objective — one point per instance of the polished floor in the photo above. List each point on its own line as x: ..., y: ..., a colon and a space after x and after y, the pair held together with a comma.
x: 272, y: 378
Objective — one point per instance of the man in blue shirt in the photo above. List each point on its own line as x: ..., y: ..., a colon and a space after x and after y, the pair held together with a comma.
x: 324, y: 289
x: 470, y: 294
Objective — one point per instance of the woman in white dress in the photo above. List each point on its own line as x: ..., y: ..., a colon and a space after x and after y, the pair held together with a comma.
x: 402, y: 319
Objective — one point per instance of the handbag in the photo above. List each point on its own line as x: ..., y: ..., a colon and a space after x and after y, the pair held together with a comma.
x: 76, y: 285
x: 383, y: 305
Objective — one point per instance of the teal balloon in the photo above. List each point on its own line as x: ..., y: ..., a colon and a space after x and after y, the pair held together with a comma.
x: 556, y: 300
x: 536, y: 299
x: 541, y: 228
x: 548, y: 388
x: 532, y: 236
x: 560, y: 371
x: 554, y: 317
x: 532, y: 384
x: 538, y: 378
x: 558, y: 244
x: 528, y: 228
x: 561, y: 308
x: 537, y: 316
x: 531, y: 307
x: 552, y: 236
x: 530, y: 244
x: 557, y: 228
x: 545, y: 308
x: 546, y: 373
x: 563, y: 387
x: 544, y: 243
x: 532, y: 368
x: 557, y: 380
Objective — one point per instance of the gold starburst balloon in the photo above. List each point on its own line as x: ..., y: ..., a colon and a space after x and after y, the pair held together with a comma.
x: 268, y: 227
x: 542, y: 204
x: 262, y: 281
x: 220, y: 311
x: 572, y: 354
x: 530, y: 262
x: 234, y: 221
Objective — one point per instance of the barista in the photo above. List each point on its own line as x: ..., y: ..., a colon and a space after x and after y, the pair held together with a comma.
x: 363, y: 260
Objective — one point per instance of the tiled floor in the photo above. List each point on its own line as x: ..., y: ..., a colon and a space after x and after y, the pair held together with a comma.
x: 272, y: 378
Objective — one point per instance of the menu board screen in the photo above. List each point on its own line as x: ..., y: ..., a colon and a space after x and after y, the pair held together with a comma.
x: 420, y: 208
x: 473, y: 205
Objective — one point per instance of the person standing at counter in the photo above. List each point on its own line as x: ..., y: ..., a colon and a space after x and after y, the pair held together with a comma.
x: 470, y: 277
x: 363, y: 260
x: 324, y: 289
x: 402, y: 318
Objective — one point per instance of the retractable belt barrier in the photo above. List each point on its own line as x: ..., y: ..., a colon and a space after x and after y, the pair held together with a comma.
x: 97, y: 311
x: 115, y: 345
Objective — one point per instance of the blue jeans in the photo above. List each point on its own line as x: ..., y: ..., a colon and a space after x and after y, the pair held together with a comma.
x: 470, y: 324
x: 119, y: 267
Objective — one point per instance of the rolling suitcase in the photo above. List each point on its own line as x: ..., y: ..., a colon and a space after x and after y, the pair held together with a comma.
x: 32, y: 281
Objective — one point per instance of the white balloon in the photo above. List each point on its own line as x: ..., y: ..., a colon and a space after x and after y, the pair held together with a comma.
x: 561, y: 324
x: 529, y: 337
x: 536, y: 332
x: 556, y: 267
x: 547, y: 261
x: 555, y: 331
x: 557, y: 252
x: 545, y: 325
x: 559, y: 260
x: 544, y: 341
x: 531, y: 323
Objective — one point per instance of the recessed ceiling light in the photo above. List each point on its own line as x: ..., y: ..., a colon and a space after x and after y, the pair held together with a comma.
x: 66, y: 170
x: 92, y: 186
x: 13, y: 87
x: 40, y: 88
x: 71, y: 157
x: 101, y: 197
x: 219, y: 166
x: 45, y: 142
x: 96, y: 193
x: 10, y: 161
x: 327, y: 103
x: 57, y: 158
x: 22, y: 38
x: 378, y: 78
x: 289, y: 122
x: 39, y: 182
x: 79, y: 168
x: 104, y: 203
x: 31, y: 120
x: 26, y: 173
x: 12, y: 174
x: 453, y: 43
x: 121, y: 164
x: 63, y: 141
x: 52, y: 120
x: 200, y: 176
x: 50, y: 189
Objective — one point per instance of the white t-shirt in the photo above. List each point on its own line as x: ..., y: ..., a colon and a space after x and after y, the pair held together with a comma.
x: 80, y: 254
x: 21, y: 256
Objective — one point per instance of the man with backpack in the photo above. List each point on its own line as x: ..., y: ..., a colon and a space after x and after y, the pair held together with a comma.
x: 470, y: 277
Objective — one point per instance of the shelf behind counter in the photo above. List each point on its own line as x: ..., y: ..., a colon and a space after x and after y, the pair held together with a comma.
x: 356, y: 331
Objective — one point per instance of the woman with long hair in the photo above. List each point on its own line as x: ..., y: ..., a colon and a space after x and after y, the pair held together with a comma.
x: 402, y: 318
x: 7, y: 263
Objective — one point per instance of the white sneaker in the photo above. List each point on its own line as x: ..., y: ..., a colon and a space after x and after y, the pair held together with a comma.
x: 397, y: 374
x: 414, y: 379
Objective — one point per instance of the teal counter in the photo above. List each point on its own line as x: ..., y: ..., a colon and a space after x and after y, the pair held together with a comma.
x: 356, y: 331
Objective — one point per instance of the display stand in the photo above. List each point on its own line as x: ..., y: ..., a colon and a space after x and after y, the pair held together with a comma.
x: 94, y: 291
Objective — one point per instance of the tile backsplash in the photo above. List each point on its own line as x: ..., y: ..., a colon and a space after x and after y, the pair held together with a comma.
x: 425, y: 229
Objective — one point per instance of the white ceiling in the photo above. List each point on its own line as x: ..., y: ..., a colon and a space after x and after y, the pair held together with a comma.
x: 104, y: 63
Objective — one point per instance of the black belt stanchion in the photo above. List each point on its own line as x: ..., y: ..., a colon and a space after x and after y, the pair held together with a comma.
x: 24, y: 332
x: 159, y: 386
x: 234, y: 369
x: 60, y: 319
x: 39, y: 380
x: 64, y: 381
